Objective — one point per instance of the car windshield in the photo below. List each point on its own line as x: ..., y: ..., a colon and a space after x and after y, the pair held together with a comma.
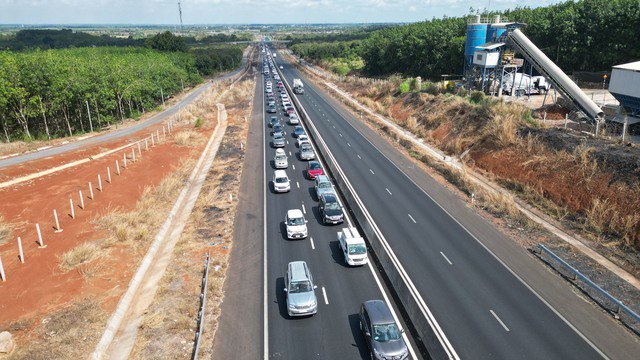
x: 305, y: 146
x: 332, y: 206
x: 357, y: 249
x: 386, y: 332
x: 296, y: 221
x: 277, y: 136
x: 281, y: 157
x: 300, y: 287
x: 314, y: 166
x: 277, y: 128
x: 324, y: 185
x: 281, y: 180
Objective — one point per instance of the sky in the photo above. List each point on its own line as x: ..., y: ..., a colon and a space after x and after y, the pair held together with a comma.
x: 241, y: 11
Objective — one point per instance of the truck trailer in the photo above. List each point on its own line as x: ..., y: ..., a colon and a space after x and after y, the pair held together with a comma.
x: 298, y: 86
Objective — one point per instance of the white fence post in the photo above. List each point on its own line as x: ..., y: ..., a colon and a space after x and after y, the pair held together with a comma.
x: 90, y: 193
x: 40, y: 237
x: 73, y: 211
x: 124, y: 160
x: 117, y: 168
x: 146, y: 144
x: 158, y: 135
x: 81, y: 199
x: 2, y: 274
x: 99, y: 183
x: 139, y: 150
x: 55, y: 215
x: 108, y: 175
x: 20, y: 249
x: 133, y: 154
x: 153, y: 143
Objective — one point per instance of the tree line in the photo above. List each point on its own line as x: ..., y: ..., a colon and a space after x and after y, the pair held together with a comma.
x: 585, y: 35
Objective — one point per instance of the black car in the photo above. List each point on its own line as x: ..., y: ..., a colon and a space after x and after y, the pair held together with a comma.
x: 298, y: 130
x: 271, y: 109
x: 330, y: 210
x: 274, y: 121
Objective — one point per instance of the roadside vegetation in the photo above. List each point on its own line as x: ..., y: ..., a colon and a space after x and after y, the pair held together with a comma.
x: 571, y: 33
x: 46, y: 94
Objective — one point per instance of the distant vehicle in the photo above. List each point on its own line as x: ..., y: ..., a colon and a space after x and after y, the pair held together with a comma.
x: 353, y: 247
x: 300, y: 290
x: 278, y: 130
x: 303, y: 139
x: 281, y: 182
x: 280, y: 159
x: 294, y: 119
x: 296, y: 224
x: 290, y: 110
x: 298, y: 86
x: 275, y: 55
x: 306, y: 153
x: 278, y: 141
x: 323, y: 186
x: 313, y: 168
x: 330, y: 209
x: 298, y: 130
x: 382, y: 334
x: 281, y: 67
x: 272, y: 109
x: 274, y: 121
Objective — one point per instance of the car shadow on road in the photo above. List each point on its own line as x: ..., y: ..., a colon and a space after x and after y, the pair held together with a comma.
x: 354, y: 323
x: 336, y: 253
x: 280, y: 297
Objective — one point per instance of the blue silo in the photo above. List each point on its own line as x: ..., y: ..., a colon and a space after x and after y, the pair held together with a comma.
x: 495, y: 30
x: 476, y: 36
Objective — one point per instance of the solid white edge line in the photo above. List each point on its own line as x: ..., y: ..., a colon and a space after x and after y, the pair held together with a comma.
x: 264, y: 239
x: 544, y: 301
x: 499, y: 320
x: 324, y: 294
x: 375, y: 276
x: 446, y: 258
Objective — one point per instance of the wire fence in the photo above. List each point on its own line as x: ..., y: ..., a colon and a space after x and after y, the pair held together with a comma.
x: 607, y: 301
x: 203, y: 301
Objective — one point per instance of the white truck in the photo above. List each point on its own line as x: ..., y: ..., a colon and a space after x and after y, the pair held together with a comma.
x: 298, y: 86
x: 353, y: 247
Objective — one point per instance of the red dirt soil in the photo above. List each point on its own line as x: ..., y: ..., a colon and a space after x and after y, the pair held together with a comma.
x: 39, y: 286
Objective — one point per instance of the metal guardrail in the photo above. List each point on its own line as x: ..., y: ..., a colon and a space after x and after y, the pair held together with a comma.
x: 618, y: 306
x: 203, y: 301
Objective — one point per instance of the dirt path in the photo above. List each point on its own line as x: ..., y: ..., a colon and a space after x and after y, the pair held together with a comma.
x: 119, y: 336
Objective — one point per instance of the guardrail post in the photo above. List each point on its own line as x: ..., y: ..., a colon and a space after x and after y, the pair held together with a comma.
x: 2, y: 274
x: 40, y: 241
x: 73, y: 211
x: 55, y: 216
x: 99, y: 183
x: 90, y: 193
x: 117, y: 168
x: 108, y: 175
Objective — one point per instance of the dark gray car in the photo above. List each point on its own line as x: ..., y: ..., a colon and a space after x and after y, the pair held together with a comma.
x: 382, y: 334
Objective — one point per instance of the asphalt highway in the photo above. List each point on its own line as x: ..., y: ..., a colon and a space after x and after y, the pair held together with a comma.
x: 485, y: 311
x: 333, y: 333
x: 123, y: 132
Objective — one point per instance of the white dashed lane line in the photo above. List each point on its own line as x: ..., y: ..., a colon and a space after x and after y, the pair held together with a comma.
x: 371, y: 171
x: 324, y: 294
x: 446, y: 258
x: 313, y: 246
x: 499, y: 320
x: 304, y: 210
x: 388, y: 191
x: 412, y: 219
x: 359, y: 156
x: 298, y: 184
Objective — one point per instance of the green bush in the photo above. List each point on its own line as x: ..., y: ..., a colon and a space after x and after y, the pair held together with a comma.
x: 476, y: 97
x: 404, y: 87
x: 198, y: 122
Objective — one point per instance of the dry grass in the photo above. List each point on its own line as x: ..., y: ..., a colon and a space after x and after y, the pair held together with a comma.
x: 5, y: 231
x: 177, y: 301
x: 189, y: 138
x: 70, y: 333
x: 80, y: 255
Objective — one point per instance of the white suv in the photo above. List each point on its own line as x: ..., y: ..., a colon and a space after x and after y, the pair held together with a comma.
x: 296, y: 224
x: 281, y: 182
x: 280, y: 160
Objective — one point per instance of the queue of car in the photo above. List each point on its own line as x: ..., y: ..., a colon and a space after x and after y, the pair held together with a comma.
x: 382, y: 334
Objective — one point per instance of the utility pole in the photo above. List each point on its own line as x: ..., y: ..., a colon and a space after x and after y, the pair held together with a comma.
x: 180, y: 12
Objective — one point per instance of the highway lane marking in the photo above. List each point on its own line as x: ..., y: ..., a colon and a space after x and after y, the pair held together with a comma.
x: 289, y: 153
x: 500, y: 321
x: 298, y: 184
x: 333, y: 126
x: 371, y: 268
x: 359, y: 156
x: 388, y: 191
x: 324, y: 294
x: 412, y: 219
x: 287, y: 142
x: 304, y: 210
x: 446, y: 258
x: 313, y: 246
x: 340, y: 134
x: 293, y: 166
x: 372, y: 172
x: 349, y: 145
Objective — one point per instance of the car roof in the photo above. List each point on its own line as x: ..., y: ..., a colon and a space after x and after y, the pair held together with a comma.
x: 379, y: 312
x: 321, y: 178
x: 280, y: 173
x: 294, y: 213
x: 297, y: 271
x: 329, y: 197
x: 280, y: 152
